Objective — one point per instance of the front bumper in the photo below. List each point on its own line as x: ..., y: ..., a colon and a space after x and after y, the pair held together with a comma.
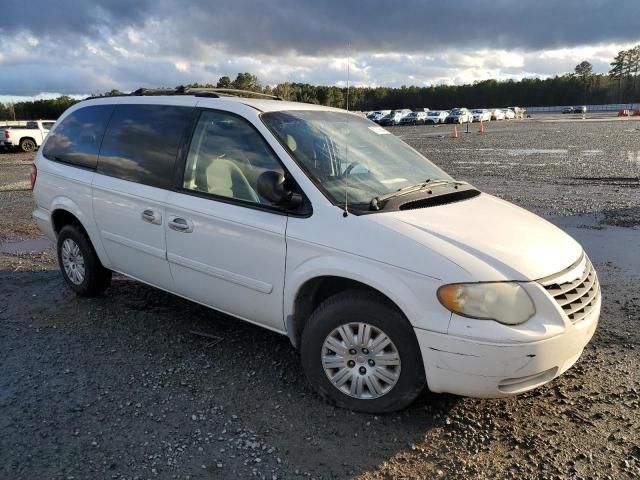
x: 458, y: 365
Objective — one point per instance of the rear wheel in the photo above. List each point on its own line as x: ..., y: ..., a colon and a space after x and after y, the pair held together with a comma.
x: 28, y: 145
x: 79, y: 264
x: 360, y: 352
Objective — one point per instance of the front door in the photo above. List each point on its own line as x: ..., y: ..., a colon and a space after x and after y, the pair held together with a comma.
x: 225, y: 244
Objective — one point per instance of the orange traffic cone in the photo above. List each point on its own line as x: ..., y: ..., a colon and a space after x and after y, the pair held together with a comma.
x: 481, y: 127
x: 454, y: 132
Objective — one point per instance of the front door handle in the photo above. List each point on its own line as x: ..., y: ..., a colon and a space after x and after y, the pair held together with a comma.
x: 151, y: 216
x: 180, y: 224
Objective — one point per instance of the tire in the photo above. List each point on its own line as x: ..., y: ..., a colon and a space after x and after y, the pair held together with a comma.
x: 28, y: 145
x: 352, y: 309
x: 79, y: 264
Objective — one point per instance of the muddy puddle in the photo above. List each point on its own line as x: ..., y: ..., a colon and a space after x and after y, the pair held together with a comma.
x: 29, y: 245
x: 619, y: 246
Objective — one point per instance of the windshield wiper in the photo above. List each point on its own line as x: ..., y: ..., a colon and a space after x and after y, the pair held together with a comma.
x: 428, y: 183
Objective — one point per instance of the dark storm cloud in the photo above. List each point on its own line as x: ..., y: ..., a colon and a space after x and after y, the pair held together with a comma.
x: 69, y: 17
x: 327, y: 26
x: 413, y: 25
x: 87, y: 46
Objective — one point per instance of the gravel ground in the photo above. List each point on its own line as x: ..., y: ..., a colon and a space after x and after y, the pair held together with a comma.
x: 122, y: 387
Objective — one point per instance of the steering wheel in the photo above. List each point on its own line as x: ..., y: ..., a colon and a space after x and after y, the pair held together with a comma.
x: 350, y: 167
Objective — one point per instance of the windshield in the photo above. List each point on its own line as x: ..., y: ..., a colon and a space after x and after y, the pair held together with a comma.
x: 346, y: 153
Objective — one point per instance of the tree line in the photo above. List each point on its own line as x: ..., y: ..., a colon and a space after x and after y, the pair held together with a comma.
x: 37, y: 109
x: 620, y: 85
x: 624, y: 73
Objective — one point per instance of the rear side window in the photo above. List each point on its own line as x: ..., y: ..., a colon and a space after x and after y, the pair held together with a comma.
x: 142, y: 142
x: 77, y: 139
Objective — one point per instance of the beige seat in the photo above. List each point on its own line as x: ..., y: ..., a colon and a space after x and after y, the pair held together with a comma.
x: 224, y: 178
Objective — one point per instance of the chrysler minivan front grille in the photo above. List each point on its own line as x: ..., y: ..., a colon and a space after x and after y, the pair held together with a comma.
x: 576, y: 290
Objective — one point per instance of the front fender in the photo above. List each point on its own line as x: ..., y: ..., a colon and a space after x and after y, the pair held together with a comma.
x: 412, y: 293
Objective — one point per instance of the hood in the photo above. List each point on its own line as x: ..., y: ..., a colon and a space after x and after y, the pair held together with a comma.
x: 491, y: 239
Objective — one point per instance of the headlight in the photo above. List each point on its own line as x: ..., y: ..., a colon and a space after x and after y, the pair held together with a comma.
x: 504, y: 302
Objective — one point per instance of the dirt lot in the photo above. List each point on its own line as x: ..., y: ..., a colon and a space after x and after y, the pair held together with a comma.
x: 120, y: 387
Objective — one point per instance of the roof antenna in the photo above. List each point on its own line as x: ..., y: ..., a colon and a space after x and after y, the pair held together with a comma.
x: 348, y: 71
x: 345, y: 214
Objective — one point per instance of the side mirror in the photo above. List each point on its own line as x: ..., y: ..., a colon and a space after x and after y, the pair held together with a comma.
x: 271, y: 185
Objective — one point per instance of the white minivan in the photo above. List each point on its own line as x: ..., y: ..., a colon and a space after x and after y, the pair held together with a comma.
x: 386, y: 273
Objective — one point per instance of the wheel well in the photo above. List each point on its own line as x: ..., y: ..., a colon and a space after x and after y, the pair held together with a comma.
x: 316, y: 291
x: 60, y: 218
x: 28, y: 138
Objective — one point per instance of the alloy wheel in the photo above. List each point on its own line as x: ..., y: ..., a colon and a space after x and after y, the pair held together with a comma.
x: 73, y: 261
x: 361, y: 360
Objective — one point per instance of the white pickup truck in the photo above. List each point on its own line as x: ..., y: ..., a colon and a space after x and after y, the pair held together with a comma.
x: 28, y: 136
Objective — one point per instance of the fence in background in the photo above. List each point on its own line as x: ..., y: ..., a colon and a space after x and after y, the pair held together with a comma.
x: 612, y: 107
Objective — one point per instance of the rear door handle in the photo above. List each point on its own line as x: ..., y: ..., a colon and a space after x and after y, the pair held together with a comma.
x: 151, y: 216
x: 180, y: 224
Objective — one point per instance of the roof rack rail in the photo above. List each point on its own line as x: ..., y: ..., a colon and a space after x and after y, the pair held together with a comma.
x: 230, y: 92
x: 157, y: 91
x: 210, y: 92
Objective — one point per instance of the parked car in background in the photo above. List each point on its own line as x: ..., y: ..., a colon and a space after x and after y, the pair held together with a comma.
x: 460, y: 115
x: 394, y: 117
x: 379, y: 116
x: 481, y: 115
x: 519, y: 112
x: 389, y: 120
x: 27, y: 137
x: 436, y: 116
x: 414, y: 118
x: 581, y: 109
x: 508, y: 114
x: 377, y: 113
x: 497, y: 114
x: 567, y: 110
x: 404, y: 111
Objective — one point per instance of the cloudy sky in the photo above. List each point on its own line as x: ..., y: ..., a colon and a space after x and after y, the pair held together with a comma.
x: 79, y: 47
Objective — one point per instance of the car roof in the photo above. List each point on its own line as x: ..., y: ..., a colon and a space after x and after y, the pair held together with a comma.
x: 259, y: 104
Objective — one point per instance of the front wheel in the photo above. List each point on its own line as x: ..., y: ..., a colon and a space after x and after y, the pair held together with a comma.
x: 361, y: 353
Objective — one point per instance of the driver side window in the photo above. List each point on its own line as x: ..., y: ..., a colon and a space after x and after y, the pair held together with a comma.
x: 226, y: 157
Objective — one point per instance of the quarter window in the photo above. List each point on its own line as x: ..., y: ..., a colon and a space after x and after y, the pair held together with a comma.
x: 226, y: 157
x: 142, y: 142
x: 77, y: 139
